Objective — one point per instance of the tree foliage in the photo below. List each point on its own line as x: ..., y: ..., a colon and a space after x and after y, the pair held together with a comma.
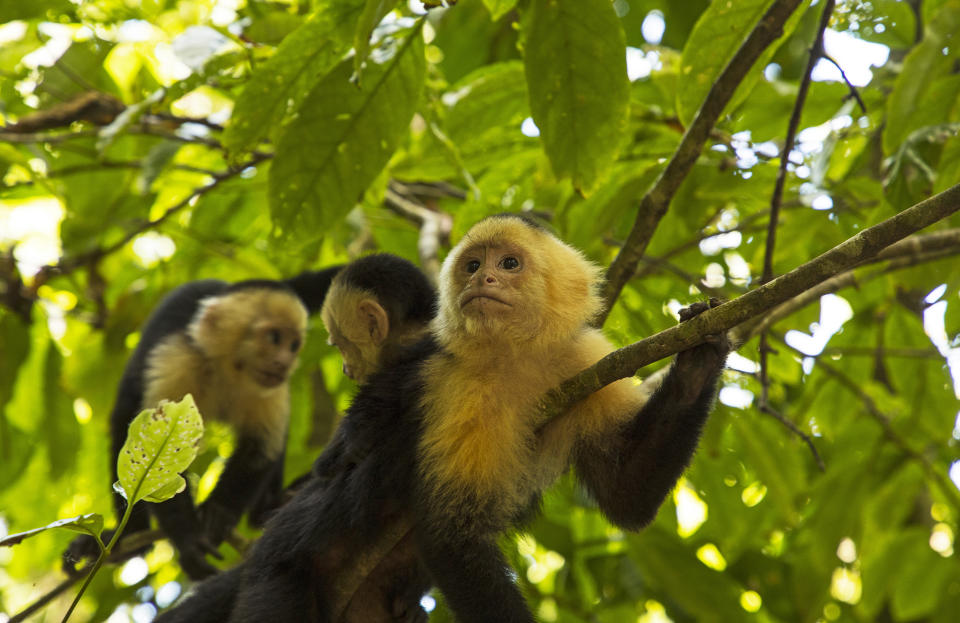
x: 148, y: 144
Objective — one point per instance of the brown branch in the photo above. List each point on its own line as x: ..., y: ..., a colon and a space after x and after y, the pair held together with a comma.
x: 866, y: 244
x: 775, y: 201
x: 131, y: 545
x: 69, y: 264
x: 905, y: 254
x: 656, y: 201
x: 435, y: 227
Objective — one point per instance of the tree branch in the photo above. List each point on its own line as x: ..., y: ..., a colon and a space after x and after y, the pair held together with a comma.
x: 864, y: 245
x: 655, y: 203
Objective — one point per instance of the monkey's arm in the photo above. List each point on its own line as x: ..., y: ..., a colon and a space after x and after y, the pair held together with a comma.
x: 248, y: 472
x: 631, y: 473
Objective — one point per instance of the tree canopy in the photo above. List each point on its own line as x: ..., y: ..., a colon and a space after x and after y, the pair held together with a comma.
x: 797, y: 158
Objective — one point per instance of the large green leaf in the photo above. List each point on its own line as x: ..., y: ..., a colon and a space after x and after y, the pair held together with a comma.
x: 343, y: 136
x: 715, y: 39
x: 277, y: 87
x: 373, y: 12
x: 161, y: 443
x: 576, y: 66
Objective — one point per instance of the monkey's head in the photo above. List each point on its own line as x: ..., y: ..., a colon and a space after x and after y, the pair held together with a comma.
x: 358, y: 326
x: 257, y: 331
x: 510, y: 278
x: 375, y: 304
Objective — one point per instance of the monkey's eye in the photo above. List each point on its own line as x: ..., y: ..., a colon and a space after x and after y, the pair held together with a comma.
x: 510, y: 263
x: 473, y: 266
x: 294, y: 346
x: 275, y: 337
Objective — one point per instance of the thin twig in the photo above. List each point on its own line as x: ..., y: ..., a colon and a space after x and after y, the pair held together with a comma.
x: 656, y: 201
x: 766, y: 408
x: 854, y: 93
x: 815, y: 53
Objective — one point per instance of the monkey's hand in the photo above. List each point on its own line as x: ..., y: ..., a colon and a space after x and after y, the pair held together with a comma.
x: 701, y: 364
x: 84, y: 547
x: 218, y: 521
x: 193, y: 549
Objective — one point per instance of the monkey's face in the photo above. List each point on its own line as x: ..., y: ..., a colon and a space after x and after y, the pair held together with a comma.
x: 359, y: 348
x: 493, y: 282
x: 271, y: 355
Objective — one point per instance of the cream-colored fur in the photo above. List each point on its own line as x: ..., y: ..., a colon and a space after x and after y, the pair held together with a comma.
x: 481, y: 393
x: 213, y: 360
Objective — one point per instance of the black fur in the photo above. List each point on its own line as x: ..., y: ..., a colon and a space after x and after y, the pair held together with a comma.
x: 400, y: 287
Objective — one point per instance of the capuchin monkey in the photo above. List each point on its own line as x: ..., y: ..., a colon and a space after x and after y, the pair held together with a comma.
x: 375, y: 307
x: 233, y: 347
x: 454, y: 447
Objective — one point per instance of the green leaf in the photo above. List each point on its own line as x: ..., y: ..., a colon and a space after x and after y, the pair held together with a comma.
x: 715, y: 39
x: 161, y: 443
x: 923, y: 66
x: 280, y: 84
x: 343, y: 136
x: 91, y: 523
x: 499, y: 8
x: 575, y: 60
x: 373, y: 12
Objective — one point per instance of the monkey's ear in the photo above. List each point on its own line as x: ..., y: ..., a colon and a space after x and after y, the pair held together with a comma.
x: 374, y: 319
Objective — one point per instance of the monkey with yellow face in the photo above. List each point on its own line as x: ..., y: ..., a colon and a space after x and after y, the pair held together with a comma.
x: 452, y: 442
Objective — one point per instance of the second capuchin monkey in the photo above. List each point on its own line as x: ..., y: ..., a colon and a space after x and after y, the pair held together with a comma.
x: 376, y: 306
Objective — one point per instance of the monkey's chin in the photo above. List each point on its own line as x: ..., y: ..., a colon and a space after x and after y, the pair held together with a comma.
x: 269, y: 379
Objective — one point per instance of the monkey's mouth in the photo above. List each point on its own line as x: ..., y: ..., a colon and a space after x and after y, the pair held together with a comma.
x: 270, y: 378
x: 482, y: 298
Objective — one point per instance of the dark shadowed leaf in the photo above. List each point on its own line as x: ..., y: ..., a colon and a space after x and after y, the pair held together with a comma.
x: 343, y: 135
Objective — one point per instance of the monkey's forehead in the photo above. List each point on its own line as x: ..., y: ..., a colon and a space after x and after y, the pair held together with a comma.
x: 275, y: 306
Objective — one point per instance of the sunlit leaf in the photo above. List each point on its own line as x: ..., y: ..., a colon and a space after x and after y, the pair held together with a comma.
x: 91, y: 523
x: 161, y: 443
x: 279, y: 86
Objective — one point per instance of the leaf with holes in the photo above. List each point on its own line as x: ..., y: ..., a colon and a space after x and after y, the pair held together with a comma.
x: 161, y: 443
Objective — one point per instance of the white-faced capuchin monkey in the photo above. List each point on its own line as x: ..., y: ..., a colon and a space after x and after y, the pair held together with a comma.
x: 454, y: 444
x: 233, y: 347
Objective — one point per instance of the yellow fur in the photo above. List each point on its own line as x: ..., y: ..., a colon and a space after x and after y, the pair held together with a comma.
x: 210, y: 361
x: 481, y: 394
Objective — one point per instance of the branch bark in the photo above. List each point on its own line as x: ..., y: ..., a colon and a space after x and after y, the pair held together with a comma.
x: 861, y: 247
x: 655, y: 203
